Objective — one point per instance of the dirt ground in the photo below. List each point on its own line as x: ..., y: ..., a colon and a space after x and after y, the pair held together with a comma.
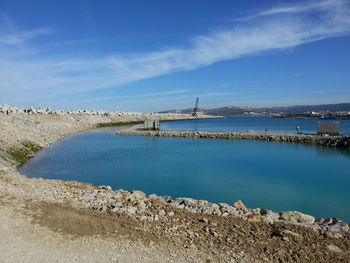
x: 34, y: 231
x: 24, y: 238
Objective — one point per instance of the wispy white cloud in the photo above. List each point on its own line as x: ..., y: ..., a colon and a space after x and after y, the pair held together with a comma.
x: 178, y: 101
x: 22, y: 37
x: 314, y: 6
x: 37, y: 76
x: 157, y: 94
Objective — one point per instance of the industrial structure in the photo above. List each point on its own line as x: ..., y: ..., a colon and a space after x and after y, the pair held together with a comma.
x: 195, y: 109
x: 330, y: 128
x: 152, y: 124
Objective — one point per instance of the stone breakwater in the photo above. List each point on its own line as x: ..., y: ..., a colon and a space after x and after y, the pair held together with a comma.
x: 328, y: 141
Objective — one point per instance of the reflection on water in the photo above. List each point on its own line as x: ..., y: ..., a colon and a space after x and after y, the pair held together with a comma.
x: 330, y: 152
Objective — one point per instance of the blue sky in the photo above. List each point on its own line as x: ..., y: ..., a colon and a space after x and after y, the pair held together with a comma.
x: 157, y: 55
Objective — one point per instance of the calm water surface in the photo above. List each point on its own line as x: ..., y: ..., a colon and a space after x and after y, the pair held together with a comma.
x: 278, y: 176
x: 256, y: 124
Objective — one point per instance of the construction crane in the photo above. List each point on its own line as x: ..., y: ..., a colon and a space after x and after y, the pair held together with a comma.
x: 195, y: 109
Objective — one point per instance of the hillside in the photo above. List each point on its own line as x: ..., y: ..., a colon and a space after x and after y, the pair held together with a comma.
x: 231, y: 111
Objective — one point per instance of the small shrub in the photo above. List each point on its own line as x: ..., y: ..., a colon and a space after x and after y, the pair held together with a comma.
x: 32, y: 146
x: 22, y: 154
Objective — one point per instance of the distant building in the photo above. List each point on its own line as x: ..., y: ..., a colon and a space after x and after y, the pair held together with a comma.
x: 330, y: 128
x: 152, y: 124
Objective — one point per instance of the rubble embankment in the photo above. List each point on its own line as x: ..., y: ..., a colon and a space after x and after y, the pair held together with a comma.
x: 10, y: 110
x: 322, y: 140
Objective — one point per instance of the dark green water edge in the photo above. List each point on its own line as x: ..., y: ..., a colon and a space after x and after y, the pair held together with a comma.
x: 27, y: 149
x: 124, y: 123
x: 116, y: 124
x: 23, y: 153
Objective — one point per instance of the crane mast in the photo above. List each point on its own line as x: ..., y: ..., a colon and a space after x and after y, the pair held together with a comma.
x: 195, y: 109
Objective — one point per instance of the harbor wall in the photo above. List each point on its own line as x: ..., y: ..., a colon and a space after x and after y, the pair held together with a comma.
x: 328, y: 141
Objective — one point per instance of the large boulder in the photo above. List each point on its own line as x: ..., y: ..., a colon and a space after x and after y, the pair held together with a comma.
x: 297, y: 217
x: 268, y: 213
x: 136, y: 194
x: 239, y: 205
x: 340, y: 226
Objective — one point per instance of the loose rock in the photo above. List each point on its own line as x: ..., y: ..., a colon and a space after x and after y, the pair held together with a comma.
x: 294, y: 216
x: 239, y: 205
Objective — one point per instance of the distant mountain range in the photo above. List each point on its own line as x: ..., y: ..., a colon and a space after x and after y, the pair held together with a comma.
x: 234, y: 111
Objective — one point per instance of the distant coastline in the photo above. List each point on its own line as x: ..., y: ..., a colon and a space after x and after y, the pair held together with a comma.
x: 339, y: 111
x: 314, y: 116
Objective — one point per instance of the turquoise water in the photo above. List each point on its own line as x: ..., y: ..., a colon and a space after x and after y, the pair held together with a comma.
x: 256, y: 124
x: 277, y: 176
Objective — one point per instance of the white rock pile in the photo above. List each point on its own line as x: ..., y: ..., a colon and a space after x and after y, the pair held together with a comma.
x: 7, y: 109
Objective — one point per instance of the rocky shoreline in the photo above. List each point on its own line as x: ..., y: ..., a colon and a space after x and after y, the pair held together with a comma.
x: 137, y: 203
x: 327, y: 141
x: 181, y: 230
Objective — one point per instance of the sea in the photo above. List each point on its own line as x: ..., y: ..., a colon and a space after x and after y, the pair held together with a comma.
x: 271, y: 175
x: 258, y: 124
